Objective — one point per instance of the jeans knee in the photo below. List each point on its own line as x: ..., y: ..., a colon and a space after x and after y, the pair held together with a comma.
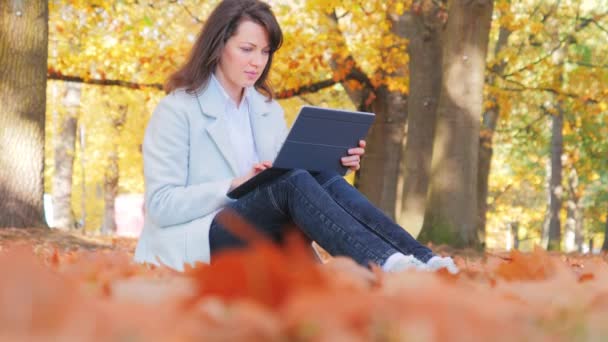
x: 297, y: 173
x: 326, y: 177
x: 300, y: 177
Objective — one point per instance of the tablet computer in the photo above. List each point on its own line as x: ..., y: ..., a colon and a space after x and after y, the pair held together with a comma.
x: 318, y: 139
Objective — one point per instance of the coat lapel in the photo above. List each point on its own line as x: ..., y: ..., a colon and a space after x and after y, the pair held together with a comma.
x: 218, y: 131
x: 211, y: 104
x: 259, y: 111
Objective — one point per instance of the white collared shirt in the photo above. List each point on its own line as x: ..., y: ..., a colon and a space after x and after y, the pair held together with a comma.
x: 239, y: 126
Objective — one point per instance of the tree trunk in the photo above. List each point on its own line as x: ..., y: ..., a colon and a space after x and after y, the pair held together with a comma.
x: 573, y: 239
x: 557, y: 148
x: 65, y: 144
x: 425, y: 87
x: 110, y: 187
x: 451, y: 213
x: 605, y: 244
x: 82, y: 222
x: 544, y: 236
x: 380, y: 171
x: 23, y: 66
x: 578, y: 232
x: 515, y: 234
x: 111, y: 176
x: 555, y: 204
x: 569, y: 227
x: 486, y: 136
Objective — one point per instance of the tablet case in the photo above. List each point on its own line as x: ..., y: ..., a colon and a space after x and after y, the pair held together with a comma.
x: 317, y: 140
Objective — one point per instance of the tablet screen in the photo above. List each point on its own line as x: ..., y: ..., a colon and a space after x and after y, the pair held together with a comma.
x: 320, y: 137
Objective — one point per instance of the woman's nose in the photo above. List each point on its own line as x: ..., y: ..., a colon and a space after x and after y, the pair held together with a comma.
x: 259, y: 59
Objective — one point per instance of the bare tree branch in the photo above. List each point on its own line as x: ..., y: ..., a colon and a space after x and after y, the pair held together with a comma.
x: 599, y: 26
x: 310, y: 88
x: 542, y: 58
x: 584, y: 22
x: 518, y: 132
x: 282, y: 94
x: 187, y: 9
x: 523, y: 87
x: 102, y: 82
x: 338, y: 17
x: 588, y: 65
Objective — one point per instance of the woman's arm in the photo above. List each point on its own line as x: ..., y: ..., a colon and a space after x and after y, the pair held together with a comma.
x: 166, y: 149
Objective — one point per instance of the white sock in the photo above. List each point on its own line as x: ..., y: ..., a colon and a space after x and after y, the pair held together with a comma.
x: 438, y: 262
x: 392, y: 260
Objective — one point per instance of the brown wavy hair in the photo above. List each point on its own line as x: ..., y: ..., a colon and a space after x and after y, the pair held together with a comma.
x: 219, y: 27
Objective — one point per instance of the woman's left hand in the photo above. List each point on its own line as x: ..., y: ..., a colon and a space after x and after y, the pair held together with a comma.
x: 353, y: 160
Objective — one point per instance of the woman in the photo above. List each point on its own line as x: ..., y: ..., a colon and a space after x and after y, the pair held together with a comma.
x: 217, y: 127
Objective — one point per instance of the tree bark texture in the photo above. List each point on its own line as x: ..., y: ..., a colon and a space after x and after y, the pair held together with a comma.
x: 112, y: 174
x: 574, y: 215
x: 555, y: 204
x: 23, y: 66
x: 605, y: 244
x: 425, y: 87
x: 486, y: 137
x: 451, y: 212
x: 380, y: 171
x: 515, y: 234
x: 64, y: 145
x: 544, y: 235
x: 556, y: 189
x: 110, y: 187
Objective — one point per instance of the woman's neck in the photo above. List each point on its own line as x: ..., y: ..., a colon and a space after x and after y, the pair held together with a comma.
x: 234, y: 91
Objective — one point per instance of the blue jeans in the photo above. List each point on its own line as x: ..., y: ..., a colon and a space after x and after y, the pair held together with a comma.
x: 326, y: 209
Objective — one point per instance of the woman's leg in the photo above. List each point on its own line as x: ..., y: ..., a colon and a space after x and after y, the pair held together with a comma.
x: 298, y: 197
x: 357, y: 205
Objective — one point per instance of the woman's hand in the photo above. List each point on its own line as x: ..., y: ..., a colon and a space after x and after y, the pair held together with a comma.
x: 353, y: 160
x: 255, y: 169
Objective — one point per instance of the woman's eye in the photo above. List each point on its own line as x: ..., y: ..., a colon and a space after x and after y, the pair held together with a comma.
x: 246, y: 49
x: 267, y: 52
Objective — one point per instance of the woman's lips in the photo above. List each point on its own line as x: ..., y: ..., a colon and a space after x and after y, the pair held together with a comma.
x: 251, y: 74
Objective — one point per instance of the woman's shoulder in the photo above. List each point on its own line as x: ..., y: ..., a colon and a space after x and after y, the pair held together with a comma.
x: 177, y: 100
x: 175, y: 106
x: 178, y: 96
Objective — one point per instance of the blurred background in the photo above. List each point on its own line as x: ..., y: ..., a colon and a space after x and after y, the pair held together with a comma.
x: 491, y: 126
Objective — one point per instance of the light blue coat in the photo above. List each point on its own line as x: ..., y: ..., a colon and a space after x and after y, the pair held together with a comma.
x: 189, y: 163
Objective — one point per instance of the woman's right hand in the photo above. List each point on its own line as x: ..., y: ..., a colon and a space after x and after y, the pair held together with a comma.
x: 256, y: 168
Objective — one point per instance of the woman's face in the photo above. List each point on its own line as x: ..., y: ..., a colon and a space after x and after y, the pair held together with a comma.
x: 244, y: 57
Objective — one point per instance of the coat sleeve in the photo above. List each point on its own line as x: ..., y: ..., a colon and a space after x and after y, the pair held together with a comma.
x: 169, y: 199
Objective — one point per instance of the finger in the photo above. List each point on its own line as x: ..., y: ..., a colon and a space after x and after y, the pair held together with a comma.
x: 351, y: 159
x: 362, y: 143
x: 259, y: 167
x: 356, y: 150
x: 352, y: 165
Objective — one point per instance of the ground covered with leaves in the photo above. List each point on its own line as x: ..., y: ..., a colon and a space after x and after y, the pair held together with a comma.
x: 60, y: 286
